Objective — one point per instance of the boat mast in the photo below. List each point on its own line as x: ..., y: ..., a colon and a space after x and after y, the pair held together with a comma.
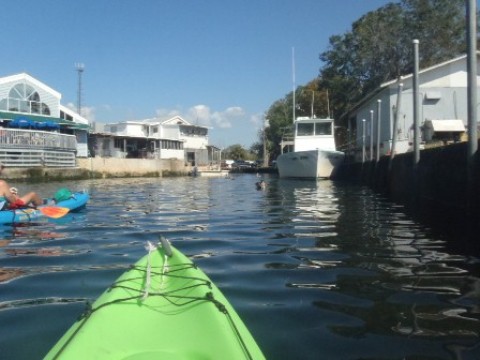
x: 313, y: 100
x: 328, y: 105
x: 293, y: 78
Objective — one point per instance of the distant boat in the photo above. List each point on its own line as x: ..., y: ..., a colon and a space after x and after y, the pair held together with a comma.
x: 314, y: 154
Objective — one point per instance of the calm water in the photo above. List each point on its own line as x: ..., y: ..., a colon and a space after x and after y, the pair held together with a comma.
x: 316, y: 270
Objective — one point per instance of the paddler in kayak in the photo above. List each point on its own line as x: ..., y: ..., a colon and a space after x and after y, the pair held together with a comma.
x: 8, y: 200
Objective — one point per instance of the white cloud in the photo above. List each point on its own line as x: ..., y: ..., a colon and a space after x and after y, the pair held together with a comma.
x: 88, y: 112
x: 231, y: 125
x: 228, y: 118
x: 199, y: 115
x: 257, y: 120
x: 204, y: 116
x: 167, y: 113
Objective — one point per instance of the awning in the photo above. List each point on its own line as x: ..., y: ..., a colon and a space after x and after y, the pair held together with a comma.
x: 445, y: 125
x: 50, y: 120
x: 22, y: 123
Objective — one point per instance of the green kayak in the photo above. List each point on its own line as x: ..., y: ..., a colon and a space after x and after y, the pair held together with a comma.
x: 164, y: 307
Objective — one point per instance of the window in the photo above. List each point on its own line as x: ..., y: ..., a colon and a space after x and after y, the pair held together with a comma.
x: 118, y: 144
x: 65, y: 116
x: 24, y: 98
x: 45, y: 109
x: 323, y: 128
x: 305, y: 129
x: 171, y: 144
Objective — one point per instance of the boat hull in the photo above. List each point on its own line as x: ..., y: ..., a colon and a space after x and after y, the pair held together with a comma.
x: 162, y: 308
x: 75, y: 203
x: 309, y: 164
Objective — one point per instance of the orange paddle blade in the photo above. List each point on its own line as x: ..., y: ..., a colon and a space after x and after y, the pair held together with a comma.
x: 54, y: 212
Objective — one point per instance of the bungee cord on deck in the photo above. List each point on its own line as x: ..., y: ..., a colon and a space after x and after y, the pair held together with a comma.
x: 150, y: 282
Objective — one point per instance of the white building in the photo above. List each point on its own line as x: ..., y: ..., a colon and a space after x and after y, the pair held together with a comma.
x: 443, y: 110
x: 34, y: 123
x: 174, y: 138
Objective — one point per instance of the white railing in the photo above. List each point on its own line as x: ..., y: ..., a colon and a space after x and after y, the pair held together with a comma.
x: 34, y: 139
x: 31, y: 148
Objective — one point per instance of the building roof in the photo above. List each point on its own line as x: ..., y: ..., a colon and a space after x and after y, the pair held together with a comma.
x: 77, y: 117
x: 428, y: 69
x: 406, y: 77
x: 31, y: 79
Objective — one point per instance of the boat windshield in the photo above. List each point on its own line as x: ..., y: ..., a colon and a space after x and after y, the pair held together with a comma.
x: 323, y: 128
x: 305, y: 129
x: 319, y: 128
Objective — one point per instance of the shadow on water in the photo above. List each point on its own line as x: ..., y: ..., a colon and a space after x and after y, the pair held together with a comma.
x: 376, y: 276
x: 461, y: 234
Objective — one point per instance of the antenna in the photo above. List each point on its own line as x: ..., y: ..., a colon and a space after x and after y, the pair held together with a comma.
x: 79, y: 67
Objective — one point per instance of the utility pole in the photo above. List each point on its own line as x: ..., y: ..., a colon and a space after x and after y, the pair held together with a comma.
x: 395, y: 124
x: 371, y: 135
x: 472, y: 77
x: 363, y: 140
x: 379, y: 119
x: 265, y: 154
x: 471, y: 100
x: 416, y: 106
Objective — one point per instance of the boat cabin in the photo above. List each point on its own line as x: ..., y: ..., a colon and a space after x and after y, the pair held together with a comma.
x: 312, y: 133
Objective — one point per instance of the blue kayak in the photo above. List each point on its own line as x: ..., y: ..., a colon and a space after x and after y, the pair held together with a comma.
x: 76, y: 202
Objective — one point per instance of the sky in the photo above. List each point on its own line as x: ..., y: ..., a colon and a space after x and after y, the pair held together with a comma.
x: 216, y: 63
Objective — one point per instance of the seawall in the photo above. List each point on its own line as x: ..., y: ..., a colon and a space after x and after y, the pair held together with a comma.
x: 97, y: 167
x: 437, y: 190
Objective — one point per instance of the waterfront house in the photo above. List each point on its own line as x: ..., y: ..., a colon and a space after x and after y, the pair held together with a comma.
x: 173, y: 138
x: 443, y: 111
x: 35, y: 128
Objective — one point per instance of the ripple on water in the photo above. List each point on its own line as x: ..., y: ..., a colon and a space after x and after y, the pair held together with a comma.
x: 316, y: 269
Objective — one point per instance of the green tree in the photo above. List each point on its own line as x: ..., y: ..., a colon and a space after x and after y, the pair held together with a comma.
x: 280, y: 117
x: 236, y: 152
x: 257, y: 147
x: 439, y: 25
x: 379, y: 47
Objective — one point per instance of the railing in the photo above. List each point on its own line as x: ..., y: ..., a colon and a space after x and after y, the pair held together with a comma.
x: 31, y: 148
x: 33, y: 139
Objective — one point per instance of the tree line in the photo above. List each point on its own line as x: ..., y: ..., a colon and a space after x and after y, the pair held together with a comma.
x: 378, y: 48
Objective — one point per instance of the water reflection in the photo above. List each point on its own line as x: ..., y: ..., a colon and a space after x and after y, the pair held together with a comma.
x: 379, y: 266
x: 316, y: 269
x: 7, y: 274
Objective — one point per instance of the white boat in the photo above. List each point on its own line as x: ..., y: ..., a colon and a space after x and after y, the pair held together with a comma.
x: 314, y: 154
